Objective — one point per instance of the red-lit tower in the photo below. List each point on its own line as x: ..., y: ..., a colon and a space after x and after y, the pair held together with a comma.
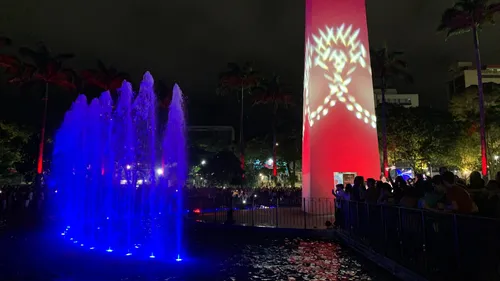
x: 339, y: 127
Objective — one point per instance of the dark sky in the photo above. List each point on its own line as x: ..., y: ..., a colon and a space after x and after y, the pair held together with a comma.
x: 190, y: 41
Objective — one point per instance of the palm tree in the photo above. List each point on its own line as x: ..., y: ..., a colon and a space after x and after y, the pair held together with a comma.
x: 240, y: 81
x: 105, y: 78
x: 386, y: 66
x: 274, y: 96
x: 472, y: 16
x: 48, y: 70
x: 7, y: 61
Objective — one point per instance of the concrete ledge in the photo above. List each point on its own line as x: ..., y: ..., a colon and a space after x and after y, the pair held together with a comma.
x: 393, y: 267
x: 266, y: 231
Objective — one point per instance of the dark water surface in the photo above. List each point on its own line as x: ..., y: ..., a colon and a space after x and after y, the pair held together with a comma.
x: 213, y: 254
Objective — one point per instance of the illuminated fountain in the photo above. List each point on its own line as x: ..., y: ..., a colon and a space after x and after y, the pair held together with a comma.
x: 119, y: 185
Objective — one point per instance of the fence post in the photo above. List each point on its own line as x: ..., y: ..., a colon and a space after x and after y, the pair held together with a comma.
x: 366, y: 232
x: 277, y: 207
x: 384, y: 227
x: 357, y: 219
x: 424, y: 239
x: 400, y: 234
x: 348, y: 223
x: 215, y: 208
x: 456, y: 240
x: 253, y: 208
x: 304, y: 211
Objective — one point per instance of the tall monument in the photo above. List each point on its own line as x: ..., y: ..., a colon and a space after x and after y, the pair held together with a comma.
x: 339, y: 127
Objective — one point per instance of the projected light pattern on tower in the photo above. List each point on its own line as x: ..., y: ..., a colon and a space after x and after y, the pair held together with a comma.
x: 339, y: 52
x: 339, y: 114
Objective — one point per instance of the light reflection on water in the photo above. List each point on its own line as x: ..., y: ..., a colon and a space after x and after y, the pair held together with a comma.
x: 233, y: 257
x: 294, y: 260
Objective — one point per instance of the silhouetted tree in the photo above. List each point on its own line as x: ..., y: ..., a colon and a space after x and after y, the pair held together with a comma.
x: 471, y: 16
x: 273, y: 95
x: 386, y: 66
x: 48, y: 70
x: 240, y: 81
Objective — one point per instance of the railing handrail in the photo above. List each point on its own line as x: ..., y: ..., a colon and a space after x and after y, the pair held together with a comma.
x: 425, y: 210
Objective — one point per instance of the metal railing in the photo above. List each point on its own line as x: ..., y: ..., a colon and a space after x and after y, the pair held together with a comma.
x: 274, y: 212
x: 436, y: 245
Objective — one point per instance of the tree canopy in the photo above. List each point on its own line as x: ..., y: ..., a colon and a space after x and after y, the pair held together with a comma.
x: 12, y: 141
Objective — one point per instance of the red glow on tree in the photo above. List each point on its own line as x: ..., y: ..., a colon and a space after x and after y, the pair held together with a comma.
x: 106, y: 78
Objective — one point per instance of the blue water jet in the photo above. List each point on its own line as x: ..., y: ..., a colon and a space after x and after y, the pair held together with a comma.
x: 119, y: 182
x: 174, y: 156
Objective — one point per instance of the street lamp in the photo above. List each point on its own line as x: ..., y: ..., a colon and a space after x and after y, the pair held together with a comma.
x: 203, y: 162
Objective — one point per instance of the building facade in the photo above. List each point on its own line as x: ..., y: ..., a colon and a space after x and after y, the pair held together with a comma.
x: 393, y: 97
x: 464, y: 74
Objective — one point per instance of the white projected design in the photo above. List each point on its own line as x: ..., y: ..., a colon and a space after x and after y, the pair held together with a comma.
x: 339, y: 52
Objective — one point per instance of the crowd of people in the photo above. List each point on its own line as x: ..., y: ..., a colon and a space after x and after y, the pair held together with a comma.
x: 444, y: 192
x: 18, y: 197
x: 215, y: 197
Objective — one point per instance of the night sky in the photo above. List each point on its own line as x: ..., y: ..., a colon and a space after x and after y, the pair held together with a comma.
x: 190, y: 41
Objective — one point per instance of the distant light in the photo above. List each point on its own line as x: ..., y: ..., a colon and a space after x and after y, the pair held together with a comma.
x: 244, y: 201
x: 123, y: 182
x: 159, y: 171
x: 277, y: 144
x: 203, y: 162
x: 63, y: 234
x: 255, y: 195
x: 178, y: 258
x: 140, y: 182
x: 109, y: 250
x: 176, y: 190
x: 496, y: 157
x: 128, y: 167
x: 68, y: 227
x: 270, y: 161
x: 92, y: 248
x: 129, y: 254
x: 152, y: 256
x: 196, y: 211
x: 81, y: 245
x: 107, y: 218
x: 55, y: 191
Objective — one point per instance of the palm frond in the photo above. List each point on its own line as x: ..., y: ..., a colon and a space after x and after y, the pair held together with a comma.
x: 387, y: 65
x: 102, y: 67
x: 5, y: 41
x: 63, y: 57
x: 29, y: 53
